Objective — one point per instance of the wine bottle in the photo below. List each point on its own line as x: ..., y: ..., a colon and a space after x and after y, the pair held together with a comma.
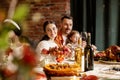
x: 88, y: 52
x: 79, y: 57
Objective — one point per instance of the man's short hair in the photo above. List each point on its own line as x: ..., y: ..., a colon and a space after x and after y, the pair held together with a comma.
x: 67, y: 17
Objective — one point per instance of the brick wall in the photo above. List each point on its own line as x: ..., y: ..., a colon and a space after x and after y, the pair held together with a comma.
x: 40, y: 11
x: 45, y: 10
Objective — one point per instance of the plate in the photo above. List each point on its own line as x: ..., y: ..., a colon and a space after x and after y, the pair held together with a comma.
x: 38, y: 70
x: 66, y: 78
x: 109, y: 62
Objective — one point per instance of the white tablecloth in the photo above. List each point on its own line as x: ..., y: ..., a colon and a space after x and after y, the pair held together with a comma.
x: 102, y: 70
x: 105, y: 71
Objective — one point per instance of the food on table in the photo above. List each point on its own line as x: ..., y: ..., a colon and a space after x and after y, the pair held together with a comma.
x: 112, y: 53
x: 59, y: 52
x: 62, y: 69
x: 45, y: 51
x: 116, y: 68
x: 60, y: 58
x: 90, y: 77
x: 101, y: 55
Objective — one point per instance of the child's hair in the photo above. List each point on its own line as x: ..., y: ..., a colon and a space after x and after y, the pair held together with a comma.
x: 71, y: 34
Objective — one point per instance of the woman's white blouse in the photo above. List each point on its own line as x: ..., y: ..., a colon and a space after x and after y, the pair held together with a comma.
x: 42, y: 58
x: 45, y: 45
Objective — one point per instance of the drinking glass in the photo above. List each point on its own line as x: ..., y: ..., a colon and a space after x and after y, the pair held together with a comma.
x: 83, y: 35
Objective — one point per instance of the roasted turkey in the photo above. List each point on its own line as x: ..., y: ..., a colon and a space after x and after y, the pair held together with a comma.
x: 112, y: 53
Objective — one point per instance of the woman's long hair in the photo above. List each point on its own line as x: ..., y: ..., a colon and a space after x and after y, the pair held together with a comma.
x: 45, y: 37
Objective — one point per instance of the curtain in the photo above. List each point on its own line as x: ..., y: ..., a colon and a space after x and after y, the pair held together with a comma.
x: 101, y: 18
x: 84, y: 16
x: 107, y: 23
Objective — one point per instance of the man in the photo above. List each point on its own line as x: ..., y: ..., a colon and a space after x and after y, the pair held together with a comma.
x: 65, y: 29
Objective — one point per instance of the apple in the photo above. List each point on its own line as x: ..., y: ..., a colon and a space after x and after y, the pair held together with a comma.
x: 90, y: 77
x: 45, y: 51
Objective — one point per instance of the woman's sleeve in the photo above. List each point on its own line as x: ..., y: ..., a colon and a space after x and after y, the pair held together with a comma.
x: 41, y: 45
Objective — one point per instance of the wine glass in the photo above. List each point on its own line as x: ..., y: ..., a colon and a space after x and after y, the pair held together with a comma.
x: 83, y: 35
x: 84, y: 38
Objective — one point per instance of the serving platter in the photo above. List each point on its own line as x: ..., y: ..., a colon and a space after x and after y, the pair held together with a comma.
x: 109, y: 62
x: 66, y: 78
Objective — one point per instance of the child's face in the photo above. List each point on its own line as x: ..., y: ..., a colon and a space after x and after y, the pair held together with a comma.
x: 74, y: 38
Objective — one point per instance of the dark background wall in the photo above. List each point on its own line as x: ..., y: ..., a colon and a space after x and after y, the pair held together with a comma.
x: 101, y: 18
x: 84, y: 14
x: 107, y: 23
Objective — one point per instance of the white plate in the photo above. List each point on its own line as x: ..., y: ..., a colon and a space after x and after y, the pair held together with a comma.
x: 38, y: 70
x: 66, y: 78
x: 110, y: 62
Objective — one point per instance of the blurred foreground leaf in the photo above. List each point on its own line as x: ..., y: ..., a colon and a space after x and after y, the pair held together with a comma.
x: 4, y: 39
x: 21, y: 12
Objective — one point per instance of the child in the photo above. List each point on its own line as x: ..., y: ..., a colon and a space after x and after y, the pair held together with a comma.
x: 72, y: 41
x: 73, y: 38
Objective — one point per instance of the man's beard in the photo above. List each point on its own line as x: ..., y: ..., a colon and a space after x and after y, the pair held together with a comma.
x: 67, y: 31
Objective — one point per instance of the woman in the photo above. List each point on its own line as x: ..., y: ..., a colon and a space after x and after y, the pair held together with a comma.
x: 47, y: 42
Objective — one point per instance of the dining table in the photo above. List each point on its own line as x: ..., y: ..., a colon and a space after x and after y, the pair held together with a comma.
x: 104, y: 70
